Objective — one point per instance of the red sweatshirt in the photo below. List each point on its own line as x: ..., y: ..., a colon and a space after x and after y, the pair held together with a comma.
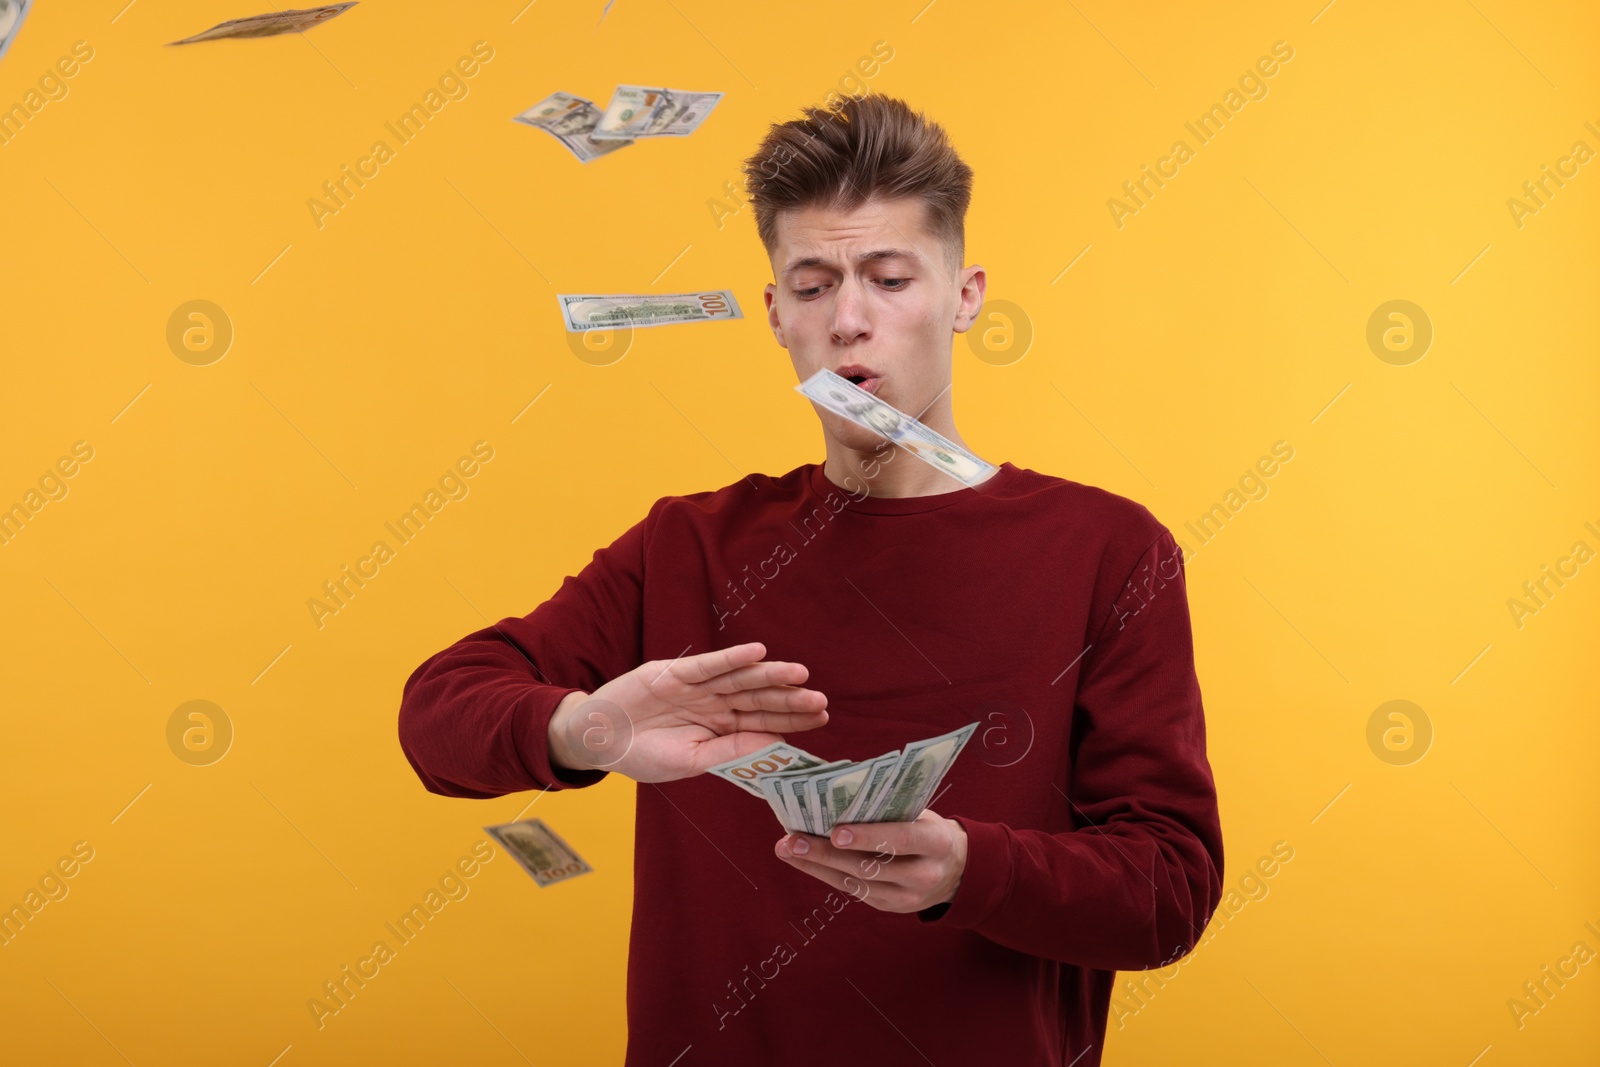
x: 1053, y: 613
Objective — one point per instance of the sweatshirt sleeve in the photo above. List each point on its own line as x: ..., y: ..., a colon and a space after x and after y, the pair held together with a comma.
x: 1134, y: 884
x: 475, y: 717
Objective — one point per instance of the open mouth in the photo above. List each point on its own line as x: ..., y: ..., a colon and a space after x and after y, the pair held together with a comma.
x: 864, y: 377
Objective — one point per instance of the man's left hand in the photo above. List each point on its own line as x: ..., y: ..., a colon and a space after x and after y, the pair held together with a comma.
x: 894, y: 866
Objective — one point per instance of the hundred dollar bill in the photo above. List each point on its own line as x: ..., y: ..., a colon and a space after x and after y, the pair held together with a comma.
x: 799, y: 790
x: 12, y: 12
x: 843, y: 397
x: 922, y: 765
x: 539, y: 851
x: 605, y: 312
x: 779, y: 802
x: 805, y: 799
x: 837, y: 790
x: 777, y: 758
x: 810, y: 795
x: 881, y: 773
x: 570, y: 120
x: 638, y: 111
x: 791, y: 789
x: 793, y: 806
x: 269, y: 24
x: 784, y: 793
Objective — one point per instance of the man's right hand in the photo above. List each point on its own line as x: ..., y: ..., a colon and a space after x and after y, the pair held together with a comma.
x: 671, y: 719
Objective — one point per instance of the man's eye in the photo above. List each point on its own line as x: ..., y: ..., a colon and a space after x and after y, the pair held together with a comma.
x: 903, y: 282
x: 807, y: 292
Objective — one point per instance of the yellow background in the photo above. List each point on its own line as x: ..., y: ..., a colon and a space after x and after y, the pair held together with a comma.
x: 370, y: 353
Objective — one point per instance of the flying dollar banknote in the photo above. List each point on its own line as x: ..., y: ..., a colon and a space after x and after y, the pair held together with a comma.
x: 12, y: 12
x: 272, y: 23
x: 843, y: 397
x: 601, y: 312
x: 539, y: 851
x: 639, y: 111
x: 570, y: 120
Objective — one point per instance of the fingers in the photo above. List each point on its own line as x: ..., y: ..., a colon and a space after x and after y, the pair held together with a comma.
x: 754, y: 696
x: 846, y: 882
x: 708, y: 665
x: 922, y: 836
x: 777, y: 672
x: 778, y: 722
x: 893, y: 883
x: 777, y: 698
x: 767, y: 687
x: 729, y: 670
x: 910, y: 888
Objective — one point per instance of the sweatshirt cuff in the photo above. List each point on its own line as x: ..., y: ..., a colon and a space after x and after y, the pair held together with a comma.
x: 532, y: 739
x: 985, y: 881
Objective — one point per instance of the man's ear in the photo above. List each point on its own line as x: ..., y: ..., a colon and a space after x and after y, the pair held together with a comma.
x: 771, y: 295
x: 973, y: 285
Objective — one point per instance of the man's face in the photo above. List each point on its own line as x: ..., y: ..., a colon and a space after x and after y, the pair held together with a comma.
x: 871, y: 289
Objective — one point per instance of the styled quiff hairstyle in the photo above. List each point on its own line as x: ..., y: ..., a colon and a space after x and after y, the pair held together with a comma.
x: 870, y: 147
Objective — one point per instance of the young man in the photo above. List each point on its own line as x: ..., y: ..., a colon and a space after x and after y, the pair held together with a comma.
x: 864, y: 603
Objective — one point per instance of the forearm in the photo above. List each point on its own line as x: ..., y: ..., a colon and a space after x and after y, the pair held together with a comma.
x: 474, y: 723
x: 1124, y: 898
x: 475, y: 718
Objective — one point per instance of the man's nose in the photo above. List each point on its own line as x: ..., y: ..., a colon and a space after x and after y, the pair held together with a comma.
x: 849, y: 313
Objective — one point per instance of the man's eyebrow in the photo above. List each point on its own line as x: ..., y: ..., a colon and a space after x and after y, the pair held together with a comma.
x: 864, y: 257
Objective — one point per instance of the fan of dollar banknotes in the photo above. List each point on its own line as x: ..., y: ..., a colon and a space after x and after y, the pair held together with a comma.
x: 812, y: 795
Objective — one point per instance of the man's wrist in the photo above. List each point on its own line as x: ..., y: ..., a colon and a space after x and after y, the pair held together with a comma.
x: 959, y: 851
x: 561, y: 752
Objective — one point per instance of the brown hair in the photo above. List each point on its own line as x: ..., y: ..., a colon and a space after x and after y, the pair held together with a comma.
x: 872, y: 146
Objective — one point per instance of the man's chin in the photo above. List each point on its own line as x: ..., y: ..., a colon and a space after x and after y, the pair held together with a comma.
x: 860, y: 439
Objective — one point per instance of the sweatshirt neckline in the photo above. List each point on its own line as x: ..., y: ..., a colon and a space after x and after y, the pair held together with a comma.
x: 821, y: 485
